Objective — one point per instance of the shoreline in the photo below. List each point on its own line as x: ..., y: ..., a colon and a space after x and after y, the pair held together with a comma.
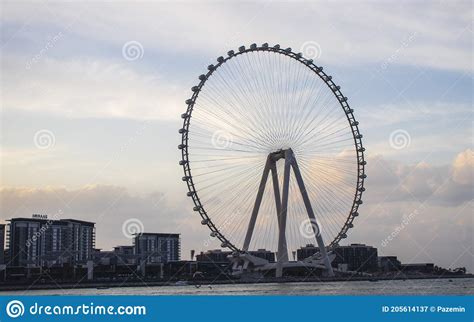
x: 124, y: 284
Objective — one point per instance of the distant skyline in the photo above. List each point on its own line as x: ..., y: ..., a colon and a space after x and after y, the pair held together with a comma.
x: 89, y: 129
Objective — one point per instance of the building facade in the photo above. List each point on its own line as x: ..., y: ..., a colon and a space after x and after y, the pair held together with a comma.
x: 157, y: 247
x: 2, y: 244
x: 358, y: 257
x: 219, y: 256
x: 389, y: 264
x: 306, y: 251
x: 38, y: 241
x: 354, y: 257
x: 125, y: 254
x: 213, y: 255
x: 418, y: 268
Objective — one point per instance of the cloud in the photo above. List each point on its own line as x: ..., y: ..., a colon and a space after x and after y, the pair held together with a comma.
x: 87, y: 88
x: 394, y: 191
x: 109, y: 207
x: 432, y: 35
x: 463, y: 167
x: 391, y: 181
x: 414, y: 111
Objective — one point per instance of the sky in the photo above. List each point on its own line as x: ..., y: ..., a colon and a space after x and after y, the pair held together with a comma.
x: 91, y: 95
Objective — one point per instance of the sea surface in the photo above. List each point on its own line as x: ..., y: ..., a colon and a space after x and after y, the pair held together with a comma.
x: 455, y: 286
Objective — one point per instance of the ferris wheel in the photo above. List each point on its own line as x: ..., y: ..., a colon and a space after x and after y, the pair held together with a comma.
x: 272, y: 153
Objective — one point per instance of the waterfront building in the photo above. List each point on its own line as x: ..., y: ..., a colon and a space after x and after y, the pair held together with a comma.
x: 2, y: 244
x: 219, y: 256
x: 125, y: 255
x: 306, y: 251
x: 389, y: 264
x: 358, y: 257
x: 213, y: 255
x: 263, y: 253
x: 157, y: 247
x: 38, y: 241
x: 418, y: 268
x: 353, y: 257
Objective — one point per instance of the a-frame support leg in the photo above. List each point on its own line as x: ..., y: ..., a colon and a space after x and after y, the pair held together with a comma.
x: 282, y: 247
x: 256, y: 207
x: 281, y: 203
x: 312, y: 218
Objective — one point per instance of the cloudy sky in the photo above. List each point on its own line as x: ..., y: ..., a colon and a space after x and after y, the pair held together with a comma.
x: 92, y: 93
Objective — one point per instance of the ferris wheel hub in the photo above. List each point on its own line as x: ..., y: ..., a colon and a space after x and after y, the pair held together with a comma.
x: 280, y: 154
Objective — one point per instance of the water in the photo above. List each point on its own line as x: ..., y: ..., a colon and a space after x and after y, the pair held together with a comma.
x: 459, y: 286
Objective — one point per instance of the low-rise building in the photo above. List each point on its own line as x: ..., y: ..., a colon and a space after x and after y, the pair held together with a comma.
x: 389, y: 264
x: 358, y: 257
x: 157, y: 247
x: 426, y: 268
x: 2, y: 244
x: 353, y: 257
